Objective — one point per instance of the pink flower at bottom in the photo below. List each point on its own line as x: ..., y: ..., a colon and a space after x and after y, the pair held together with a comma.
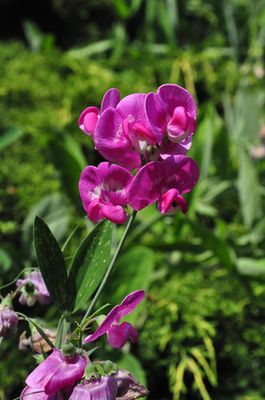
x: 104, y: 387
x: 30, y: 393
x: 57, y: 372
x: 118, y: 334
x: 103, y: 191
x: 165, y: 182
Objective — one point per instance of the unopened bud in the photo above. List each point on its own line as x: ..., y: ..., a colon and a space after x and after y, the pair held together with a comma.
x: 91, y: 372
x: 69, y: 350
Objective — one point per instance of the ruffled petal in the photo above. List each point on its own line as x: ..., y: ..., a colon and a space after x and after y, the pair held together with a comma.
x: 110, y: 99
x: 175, y: 96
x: 117, y: 313
x: 146, y: 186
x: 109, y: 133
x: 115, y: 181
x: 112, y: 143
x: 94, y: 211
x: 169, y: 148
x: 115, y: 214
x: 133, y: 106
x: 170, y: 201
x: 157, y: 115
x: 155, y: 178
x: 70, y: 371
x: 43, y: 372
x: 88, y: 120
x: 104, y: 388
x: 89, y: 185
x: 118, y: 335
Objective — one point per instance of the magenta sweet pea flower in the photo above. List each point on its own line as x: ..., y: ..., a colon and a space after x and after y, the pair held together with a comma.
x: 88, y: 119
x: 122, y: 134
x: 118, y: 334
x: 30, y: 393
x: 8, y: 321
x: 165, y: 182
x: 172, y: 113
x: 103, y: 191
x: 33, y: 289
x: 104, y: 387
x: 57, y: 372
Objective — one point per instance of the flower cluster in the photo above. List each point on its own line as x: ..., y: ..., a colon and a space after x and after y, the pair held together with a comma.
x: 150, y: 133
x: 70, y: 374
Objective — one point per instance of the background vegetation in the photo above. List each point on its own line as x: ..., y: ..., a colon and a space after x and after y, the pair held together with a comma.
x: 202, y: 327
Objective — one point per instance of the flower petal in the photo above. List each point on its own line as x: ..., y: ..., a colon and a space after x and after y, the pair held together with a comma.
x: 110, y: 99
x: 43, y: 372
x: 69, y: 372
x: 157, y: 115
x: 133, y: 106
x: 117, y: 313
x: 88, y: 120
x: 89, y: 185
x: 115, y: 181
x: 104, y: 388
x: 175, y: 96
x: 112, y: 143
x: 170, y: 201
x: 30, y: 393
x: 94, y: 211
x: 155, y: 178
x: 115, y: 214
x: 118, y: 335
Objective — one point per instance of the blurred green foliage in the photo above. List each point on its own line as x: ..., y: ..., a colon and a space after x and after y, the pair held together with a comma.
x: 201, y: 327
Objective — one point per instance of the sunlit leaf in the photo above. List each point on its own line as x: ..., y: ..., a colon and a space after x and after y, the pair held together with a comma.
x: 90, y: 264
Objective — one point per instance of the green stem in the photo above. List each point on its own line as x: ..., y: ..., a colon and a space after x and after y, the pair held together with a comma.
x: 109, y: 270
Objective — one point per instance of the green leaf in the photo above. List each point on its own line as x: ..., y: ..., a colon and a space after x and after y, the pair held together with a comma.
x: 9, y: 136
x: 90, y: 264
x: 54, y: 209
x: 5, y: 260
x: 133, y: 271
x: 248, y: 188
x: 251, y: 267
x: 51, y: 263
x: 215, y: 243
x: 130, y: 363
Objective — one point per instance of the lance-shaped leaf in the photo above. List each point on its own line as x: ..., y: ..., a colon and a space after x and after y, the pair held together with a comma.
x: 51, y: 263
x: 89, y: 265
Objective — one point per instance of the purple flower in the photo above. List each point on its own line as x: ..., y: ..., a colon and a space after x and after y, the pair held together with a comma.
x: 8, y: 321
x: 88, y: 119
x: 164, y: 181
x: 118, y: 334
x: 30, y: 393
x: 123, y: 134
x: 103, y: 191
x: 33, y: 289
x: 172, y: 113
x: 104, y: 387
x: 143, y: 126
x: 57, y: 372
